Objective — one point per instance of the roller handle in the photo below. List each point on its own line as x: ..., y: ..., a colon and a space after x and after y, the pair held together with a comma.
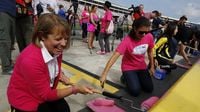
x: 111, y: 95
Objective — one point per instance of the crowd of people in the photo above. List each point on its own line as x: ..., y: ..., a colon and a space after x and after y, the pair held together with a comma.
x: 42, y: 29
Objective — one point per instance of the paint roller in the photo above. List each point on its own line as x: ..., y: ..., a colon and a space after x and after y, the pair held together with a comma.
x: 148, y: 103
x: 108, y: 94
x: 111, y: 95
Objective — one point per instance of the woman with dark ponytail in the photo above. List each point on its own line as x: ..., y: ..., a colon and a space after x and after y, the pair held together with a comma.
x: 135, y: 73
x: 166, y: 48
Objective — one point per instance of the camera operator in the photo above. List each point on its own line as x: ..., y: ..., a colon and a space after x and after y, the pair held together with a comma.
x: 75, y: 5
x: 137, y: 11
x: 120, y: 25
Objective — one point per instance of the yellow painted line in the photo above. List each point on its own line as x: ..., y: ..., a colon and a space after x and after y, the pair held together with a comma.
x: 75, y: 78
x: 80, y: 75
x: 184, y: 94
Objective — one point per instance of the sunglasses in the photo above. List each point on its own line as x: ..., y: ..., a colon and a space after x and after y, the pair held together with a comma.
x: 143, y: 32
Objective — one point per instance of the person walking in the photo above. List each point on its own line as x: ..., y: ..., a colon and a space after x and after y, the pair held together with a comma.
x: 24, y: 23
x: 7, y: 33
x: 104, y: 36
x: 85, y: 16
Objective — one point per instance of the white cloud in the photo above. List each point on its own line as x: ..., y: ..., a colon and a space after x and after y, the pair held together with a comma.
x: 192, y: 10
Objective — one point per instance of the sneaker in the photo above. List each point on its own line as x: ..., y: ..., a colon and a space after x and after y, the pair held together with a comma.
x: 9, y: 72
x: 101, y: 52
x: 107, y: 52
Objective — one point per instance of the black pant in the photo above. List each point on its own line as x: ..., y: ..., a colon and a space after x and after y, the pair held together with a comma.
x: 84, y: 28
x: 24, y: 30
x: 54, y: 106
x: 136, y: 80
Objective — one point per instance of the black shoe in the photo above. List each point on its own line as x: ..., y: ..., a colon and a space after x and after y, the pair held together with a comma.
x: 7, y: 72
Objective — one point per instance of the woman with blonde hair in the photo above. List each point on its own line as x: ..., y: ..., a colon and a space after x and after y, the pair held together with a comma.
x: 92, y: 26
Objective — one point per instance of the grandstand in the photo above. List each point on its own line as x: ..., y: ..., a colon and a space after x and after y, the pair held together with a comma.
x: 117, y: 9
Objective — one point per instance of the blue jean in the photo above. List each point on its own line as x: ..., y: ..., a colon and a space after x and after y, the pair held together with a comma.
x: 136, y: 80
x: 105, y: 46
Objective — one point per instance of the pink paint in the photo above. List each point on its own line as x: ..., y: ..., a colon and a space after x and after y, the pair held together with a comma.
x: 147, y: 104
x: 103, y: 102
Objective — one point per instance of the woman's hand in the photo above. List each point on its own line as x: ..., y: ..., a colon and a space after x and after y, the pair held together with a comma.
x: 84, y: 89
x: 152, y: 71
x: 189, y: 63
x: 156, y: 62
x: 102, y: 80
x: 64, y: 79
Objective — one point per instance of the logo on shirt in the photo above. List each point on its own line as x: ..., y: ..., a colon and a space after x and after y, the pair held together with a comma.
x: 141, y: 49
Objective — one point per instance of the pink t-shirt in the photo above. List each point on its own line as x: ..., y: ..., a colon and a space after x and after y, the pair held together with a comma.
x: 107, y: 17
x: 134, y: 52
x: 85, y: 14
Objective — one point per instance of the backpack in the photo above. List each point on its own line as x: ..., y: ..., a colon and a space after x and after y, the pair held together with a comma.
x: 110, y: 29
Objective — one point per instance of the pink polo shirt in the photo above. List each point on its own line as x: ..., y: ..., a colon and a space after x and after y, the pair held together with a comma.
x: 106, y: 18
x: 134, y: 52
x: 87, y: 15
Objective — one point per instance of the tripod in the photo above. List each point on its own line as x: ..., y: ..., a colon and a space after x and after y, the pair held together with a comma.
x: 118, y: 32
x: 75, y: 7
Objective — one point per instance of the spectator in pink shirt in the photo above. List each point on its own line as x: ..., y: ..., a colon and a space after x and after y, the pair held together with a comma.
x: 104, y: 36
x: 85, y: 16
x: 32, y: 87
x: 135, y: 73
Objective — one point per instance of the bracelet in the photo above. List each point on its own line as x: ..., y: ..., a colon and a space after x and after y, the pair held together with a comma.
x: 74, y: 90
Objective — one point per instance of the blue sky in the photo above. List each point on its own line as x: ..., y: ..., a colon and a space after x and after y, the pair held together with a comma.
x: 171, y: 8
